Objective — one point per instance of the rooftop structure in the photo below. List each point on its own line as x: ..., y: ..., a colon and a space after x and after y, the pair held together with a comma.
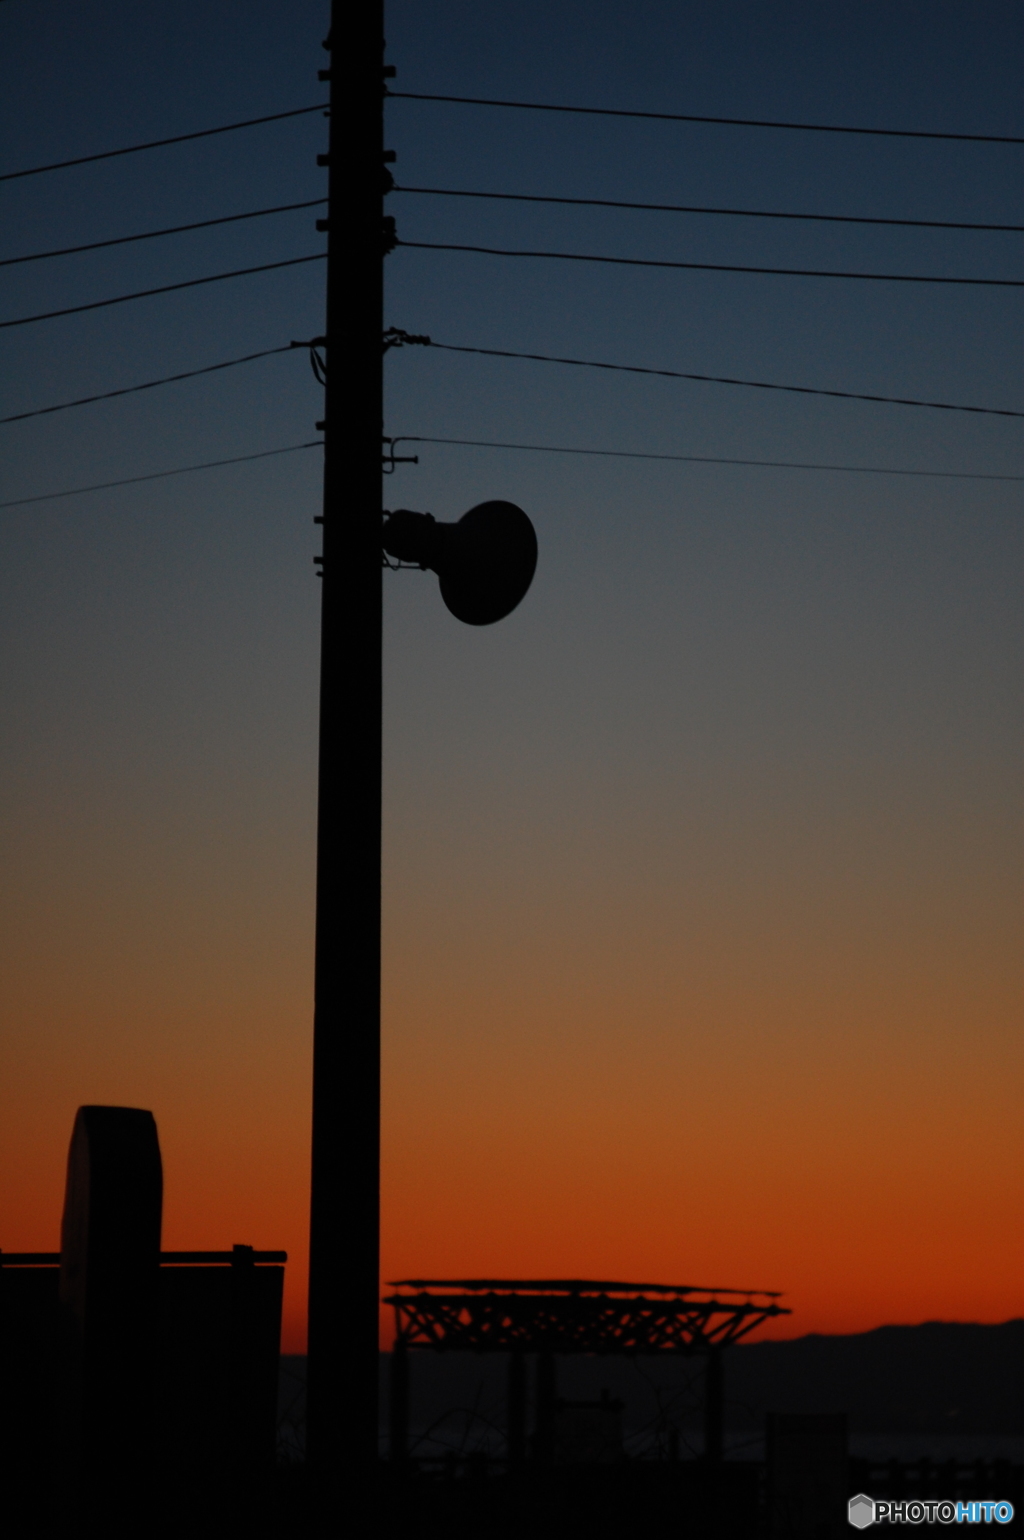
x: 574, y: 1315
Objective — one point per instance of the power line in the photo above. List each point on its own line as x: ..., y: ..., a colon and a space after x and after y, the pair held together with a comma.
x: 166, y: 288
x: 181, y: 470
x: 716, y: 267
x: 156, y: 144
x: 625, y: 454
x: 690, y: 117
x: 616, y: 454
x: 686, y: 208
x: 450, y: 192
x: 483, y: 101
x: 128, y: 390
x: 723, y: 379
x: 149, y: 235
x: 543, y: 358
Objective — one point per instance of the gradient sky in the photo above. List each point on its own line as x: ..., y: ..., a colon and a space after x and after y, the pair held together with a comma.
x: 703, y: 871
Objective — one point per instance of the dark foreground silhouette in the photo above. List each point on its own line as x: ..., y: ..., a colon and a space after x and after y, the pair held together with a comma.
x: 141, y: 1393
x: 138, y: 1388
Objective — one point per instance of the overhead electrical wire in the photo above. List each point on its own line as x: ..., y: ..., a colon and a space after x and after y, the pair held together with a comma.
x: 542, y: 358
x: 562, y: 256
x: 181, y: 470
x: 150, y: 235
x: 724, y: 379
x: 614, y: 454
x: 165, y: 288
x: 129, y: 390
x: 692, y: 117
x: 487, y: 101
x: 714, y: 267
x: 156, y: 144
x: 626, y: 454
x: 453, y: 192
x: 687, y: 208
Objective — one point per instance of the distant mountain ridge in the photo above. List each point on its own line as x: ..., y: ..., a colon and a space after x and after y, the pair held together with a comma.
x: 939, y: 1377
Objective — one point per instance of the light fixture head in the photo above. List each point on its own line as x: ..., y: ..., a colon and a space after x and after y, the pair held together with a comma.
x: 485, y: 562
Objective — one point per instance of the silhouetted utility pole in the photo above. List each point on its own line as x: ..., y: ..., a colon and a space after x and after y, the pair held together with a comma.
x: 345, y: 1203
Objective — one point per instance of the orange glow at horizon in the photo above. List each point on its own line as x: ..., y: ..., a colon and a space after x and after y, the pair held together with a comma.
x: 619, y: 1091
x: 616, y: 1091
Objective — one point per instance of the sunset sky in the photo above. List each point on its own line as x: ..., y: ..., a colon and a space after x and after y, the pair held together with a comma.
x: 703, y: 872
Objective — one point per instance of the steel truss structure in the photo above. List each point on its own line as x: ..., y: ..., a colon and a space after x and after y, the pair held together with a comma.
x: 574, y: 1316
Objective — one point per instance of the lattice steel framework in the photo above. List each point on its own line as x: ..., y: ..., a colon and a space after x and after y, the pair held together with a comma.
x: 574, y: 1316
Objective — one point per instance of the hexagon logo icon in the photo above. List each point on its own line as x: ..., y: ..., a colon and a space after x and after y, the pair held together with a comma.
x: 861, y: 1511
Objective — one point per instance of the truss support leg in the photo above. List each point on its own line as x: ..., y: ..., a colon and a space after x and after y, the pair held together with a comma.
x: 399, y: 1420
x: 516, y: 1410
x: 544, y: 1422
x: 713, y: 1407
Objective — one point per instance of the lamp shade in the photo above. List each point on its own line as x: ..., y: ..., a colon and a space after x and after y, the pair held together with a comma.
x: 485, y: 562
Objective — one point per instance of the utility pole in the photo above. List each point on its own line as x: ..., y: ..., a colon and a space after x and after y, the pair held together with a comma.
x: 345, y: 1197
x: 485, y: 564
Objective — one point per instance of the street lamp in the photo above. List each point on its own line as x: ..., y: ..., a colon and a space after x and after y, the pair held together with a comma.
x: 485, y: 562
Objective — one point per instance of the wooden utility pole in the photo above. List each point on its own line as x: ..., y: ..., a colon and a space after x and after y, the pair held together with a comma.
x: 345, y: 1200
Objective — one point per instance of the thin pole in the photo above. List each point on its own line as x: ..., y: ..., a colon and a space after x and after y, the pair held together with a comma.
x: 398, y: 1448
x: 544, y: 1409
x: 713, y: 1406
x: 345, y: 1196
x: 515, y: 1433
